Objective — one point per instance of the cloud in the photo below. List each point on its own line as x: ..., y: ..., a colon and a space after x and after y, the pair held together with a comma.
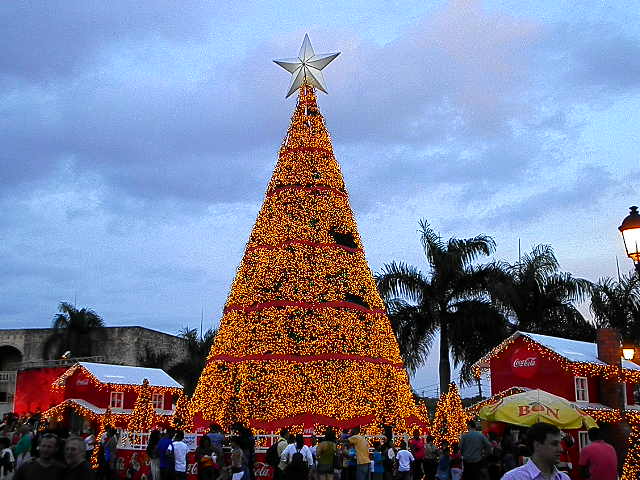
x: 131, y: 94
x: 58, y: 40
x: 593, y: 182
x: 138, y: 139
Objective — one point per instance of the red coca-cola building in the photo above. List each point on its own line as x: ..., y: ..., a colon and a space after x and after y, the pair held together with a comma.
x: 531, y: 360
x: 87, y: 389
x: 593, y: 376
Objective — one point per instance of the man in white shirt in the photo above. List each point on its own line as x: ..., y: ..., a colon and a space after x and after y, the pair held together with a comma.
x: 297, y: 447
x: 180, y: 450
x: 405, y: 458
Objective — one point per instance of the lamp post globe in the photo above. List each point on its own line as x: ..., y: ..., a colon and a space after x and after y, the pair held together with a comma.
x: 630, y: 230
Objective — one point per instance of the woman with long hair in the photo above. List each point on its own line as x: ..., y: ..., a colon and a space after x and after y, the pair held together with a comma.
x: 205, y: 459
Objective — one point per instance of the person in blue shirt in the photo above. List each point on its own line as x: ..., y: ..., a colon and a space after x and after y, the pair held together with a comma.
x: 216, y: 436
x: 217, y: 439
x: 167, y: 465
x: 444, y: 465
x: 349, y: 473
x: 378, y: 467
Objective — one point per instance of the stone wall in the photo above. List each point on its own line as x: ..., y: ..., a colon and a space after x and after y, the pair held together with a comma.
x: 119, y: 345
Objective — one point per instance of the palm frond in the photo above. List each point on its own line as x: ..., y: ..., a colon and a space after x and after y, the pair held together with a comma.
x: 415, y: 329
x: 469, y: 249
x: 401, y: 280
x: 432, y: 244
x: 475, y: 327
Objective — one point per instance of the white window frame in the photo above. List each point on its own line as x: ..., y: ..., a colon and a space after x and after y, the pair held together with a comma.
x: 585, y: 390
x: 115, y: 398
x: 624, y: 393
x: 157, y: 399
x: 583, y: 439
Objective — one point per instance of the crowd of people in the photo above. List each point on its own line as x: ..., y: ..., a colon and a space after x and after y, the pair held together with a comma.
x: 28, y: 453
x: 540, y: 453
x: 167, y: 452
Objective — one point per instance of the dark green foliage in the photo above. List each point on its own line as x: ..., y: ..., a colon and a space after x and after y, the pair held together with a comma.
x: 190, y: 369
x: 452, y: 299
x: 72, y: 331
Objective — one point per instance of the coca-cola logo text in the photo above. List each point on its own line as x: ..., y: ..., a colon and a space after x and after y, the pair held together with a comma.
x: 261, y: 470
x: 527, y: 362
x: 524, y: 363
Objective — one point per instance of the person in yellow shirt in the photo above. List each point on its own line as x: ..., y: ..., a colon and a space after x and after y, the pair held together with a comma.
x: 361, y: 445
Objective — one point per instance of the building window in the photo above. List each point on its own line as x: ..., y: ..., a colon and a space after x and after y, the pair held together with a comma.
x: 583, y: 439
x: 636, y: 393
x: 624, y: 394
x: 116, y: 400
x: 582, y: 389
x: 158, y: 400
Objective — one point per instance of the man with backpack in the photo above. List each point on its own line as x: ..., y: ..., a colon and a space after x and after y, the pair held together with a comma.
x: 274, y: 454
x: 299, y: 460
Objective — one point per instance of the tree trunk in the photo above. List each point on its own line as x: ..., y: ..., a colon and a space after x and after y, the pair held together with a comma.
x: 445, y: 365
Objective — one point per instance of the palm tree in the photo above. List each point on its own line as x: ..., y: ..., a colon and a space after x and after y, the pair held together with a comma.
x: 451, y: 299
x: 198, y: 348
x: 151, y: 358
x: 72, y: 330
x: 539, y: 298
x: 617, y: 305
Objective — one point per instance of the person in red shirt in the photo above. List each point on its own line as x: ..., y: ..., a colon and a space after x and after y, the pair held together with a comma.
x: 598, y: 460
x: 416, y: 446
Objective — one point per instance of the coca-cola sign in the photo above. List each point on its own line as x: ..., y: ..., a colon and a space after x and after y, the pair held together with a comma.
x: 262, y: 471
x: 527, y: 362
x: 524, y: 363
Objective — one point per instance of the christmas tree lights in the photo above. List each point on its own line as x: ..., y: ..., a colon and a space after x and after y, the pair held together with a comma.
x: 450, y: 419
x: 439, y: 424
x: 304, y: 329
x: 181, y: 418
x: 143, y: 416
x: 456, y: 416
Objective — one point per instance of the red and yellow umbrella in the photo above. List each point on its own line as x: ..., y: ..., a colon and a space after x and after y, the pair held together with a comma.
x: 535, y: 406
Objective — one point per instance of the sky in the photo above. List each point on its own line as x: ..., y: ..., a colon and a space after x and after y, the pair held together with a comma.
x: 137, y: 139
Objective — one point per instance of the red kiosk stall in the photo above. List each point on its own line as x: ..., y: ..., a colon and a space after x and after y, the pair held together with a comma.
x: 592, y: 376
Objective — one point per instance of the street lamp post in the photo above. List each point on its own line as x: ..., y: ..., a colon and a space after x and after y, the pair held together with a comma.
x: 630, y: 230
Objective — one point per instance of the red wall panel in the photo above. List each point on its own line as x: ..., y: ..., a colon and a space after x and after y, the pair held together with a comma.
x: 33, y: 390
x: 518, y: 366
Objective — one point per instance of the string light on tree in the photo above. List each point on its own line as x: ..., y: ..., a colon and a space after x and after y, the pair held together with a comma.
x: 439, y: 424
x: 182, y: 418
x: 143, y: 416
x: 455, y: 414
x: 304, y: 329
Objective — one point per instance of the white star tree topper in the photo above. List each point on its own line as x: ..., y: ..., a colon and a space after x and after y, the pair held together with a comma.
x: 307, y: 68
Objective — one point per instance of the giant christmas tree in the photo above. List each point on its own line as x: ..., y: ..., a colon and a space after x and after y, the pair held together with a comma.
x: 304, y: 333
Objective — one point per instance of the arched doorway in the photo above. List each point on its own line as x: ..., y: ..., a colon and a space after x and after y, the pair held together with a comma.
x: 9, y: 357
